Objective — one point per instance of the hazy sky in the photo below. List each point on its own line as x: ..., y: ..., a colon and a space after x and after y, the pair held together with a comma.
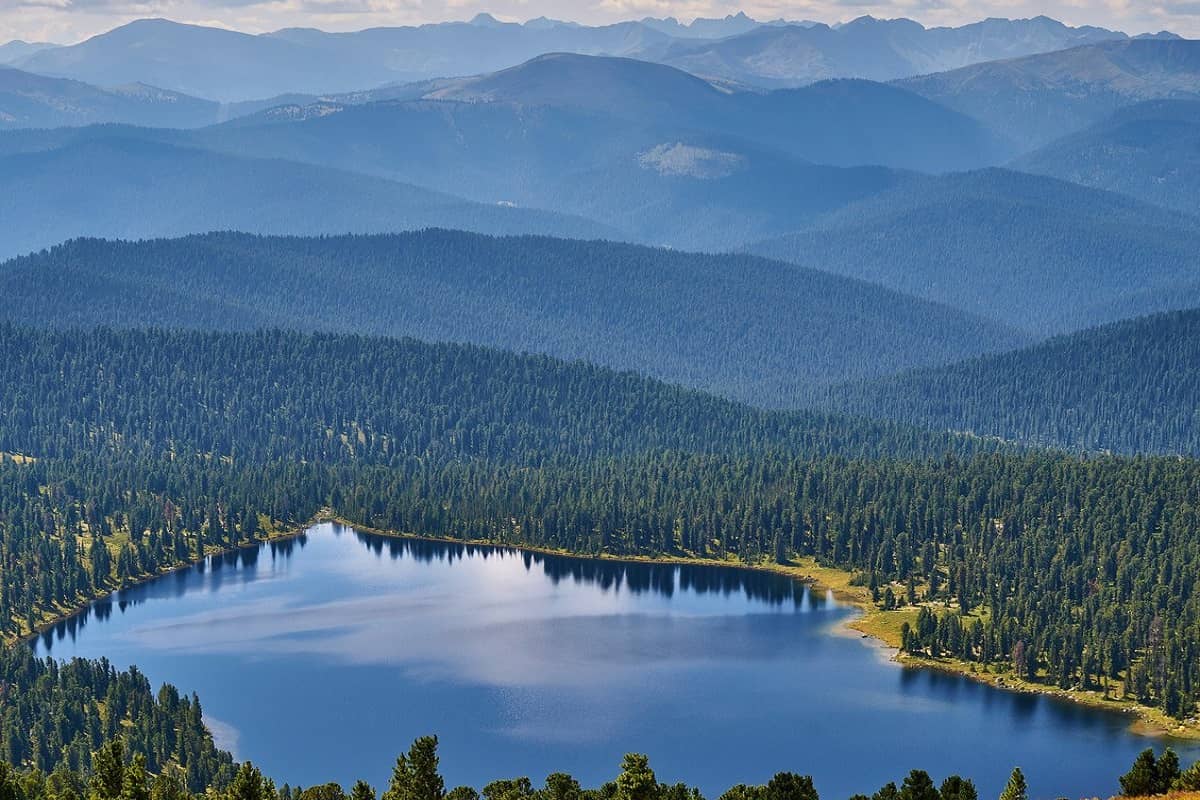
x: 71, y: 20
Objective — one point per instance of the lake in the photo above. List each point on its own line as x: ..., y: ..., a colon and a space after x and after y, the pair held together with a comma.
x: 322, y: 657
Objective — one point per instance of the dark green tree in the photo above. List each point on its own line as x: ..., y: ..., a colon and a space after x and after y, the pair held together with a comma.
x: 918, y: 786
x: 636, y: 781
x: 1142, y: 780
x: 956, y: 787
x: 108, y: 771
x: 790, y: 786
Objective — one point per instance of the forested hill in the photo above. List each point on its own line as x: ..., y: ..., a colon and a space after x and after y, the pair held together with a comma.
x: 1039, y: 253
x: 144, y: 449
x: 738, y: 325
x: 1131, y: 386
x: 255, y: 397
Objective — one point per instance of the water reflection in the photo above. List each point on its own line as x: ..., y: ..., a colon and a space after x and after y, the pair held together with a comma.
x: 324, y: 655
x: 608, y: 574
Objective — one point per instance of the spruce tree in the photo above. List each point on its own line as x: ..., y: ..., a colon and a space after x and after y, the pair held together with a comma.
x: 1142, y: 778
x: 636, y: 781
x: 1015, y: 789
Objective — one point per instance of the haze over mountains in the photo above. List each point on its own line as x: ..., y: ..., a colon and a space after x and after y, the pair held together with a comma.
x: 1040, y: 254
x: 138, y: 189
x: 229, y: 66
x: 1150, y: 151
x: 1036, y: 99
x: 991, y: 185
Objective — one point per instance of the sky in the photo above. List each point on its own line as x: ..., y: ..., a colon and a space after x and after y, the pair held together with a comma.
x: 67, y: 21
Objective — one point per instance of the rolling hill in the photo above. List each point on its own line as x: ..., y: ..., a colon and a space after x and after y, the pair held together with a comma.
x: 1130, y: 386
x: 1150, y: 151
x: 35, y: 101
x: 702, y: 192
x: 133, y: 189
x: 1037, y: 99
x: 744, y: 327
x: 1034, y: 252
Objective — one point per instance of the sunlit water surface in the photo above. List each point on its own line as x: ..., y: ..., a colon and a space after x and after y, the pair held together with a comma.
x: 321, y: 658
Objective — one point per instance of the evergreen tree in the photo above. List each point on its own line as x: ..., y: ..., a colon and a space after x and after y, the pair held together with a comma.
x: 918, y: 786
x: 636, y: 781
x: 561, y: 786
x: 247, y: 784
x: 1142, y: 780
x: 135, y: 783
x: 1015, y: 789
x: 415, y: 775
x: 790, y: 786
x: 1189, y: 780
x: 956, y: 787
x: 108, y: 771
x: 1166, y: 771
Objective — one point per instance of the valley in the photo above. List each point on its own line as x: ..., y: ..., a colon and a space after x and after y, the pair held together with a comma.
x: 397, y: 407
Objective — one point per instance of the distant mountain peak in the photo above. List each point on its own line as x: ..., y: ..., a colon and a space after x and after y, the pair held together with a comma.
x: 485, y: 20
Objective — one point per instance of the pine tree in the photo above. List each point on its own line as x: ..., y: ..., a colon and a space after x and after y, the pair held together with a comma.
x: 247, y: 784
x: 135, y: 784
x: 956, y: 787
x: 636, y: 781
x: 918, y: 786
x: 1142, y: 778
x: 362, y: 791
x: 108, y: 771
x: 1015, y: 789
x: 1167, y: 771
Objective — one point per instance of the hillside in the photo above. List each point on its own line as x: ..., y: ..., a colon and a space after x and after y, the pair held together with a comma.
x: 35, y: 101
x: 1037, y: 99
x: 1034, y: 252
x: 741, y: 326
x: 1150, y: 151
x: 844, y: 123
x: 108, y: 185
x: 702, y: 193
x: 1128, y: 387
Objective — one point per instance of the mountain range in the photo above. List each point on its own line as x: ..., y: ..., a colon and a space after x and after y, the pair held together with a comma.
x: 1039, y: 98
x: 708, y: 169
x: 107, y: 184
x: 229, y: 66
x: 875, y: 49
x: 35, y: 101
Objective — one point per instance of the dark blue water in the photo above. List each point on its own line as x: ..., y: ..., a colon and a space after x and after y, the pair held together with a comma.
x: 322, y: 658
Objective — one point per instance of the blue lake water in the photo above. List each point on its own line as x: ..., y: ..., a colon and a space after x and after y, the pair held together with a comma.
x: 322, y: 657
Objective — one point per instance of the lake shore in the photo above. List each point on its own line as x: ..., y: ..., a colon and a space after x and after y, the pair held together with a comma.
x: 882, y: 627
x: 873, y: 623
